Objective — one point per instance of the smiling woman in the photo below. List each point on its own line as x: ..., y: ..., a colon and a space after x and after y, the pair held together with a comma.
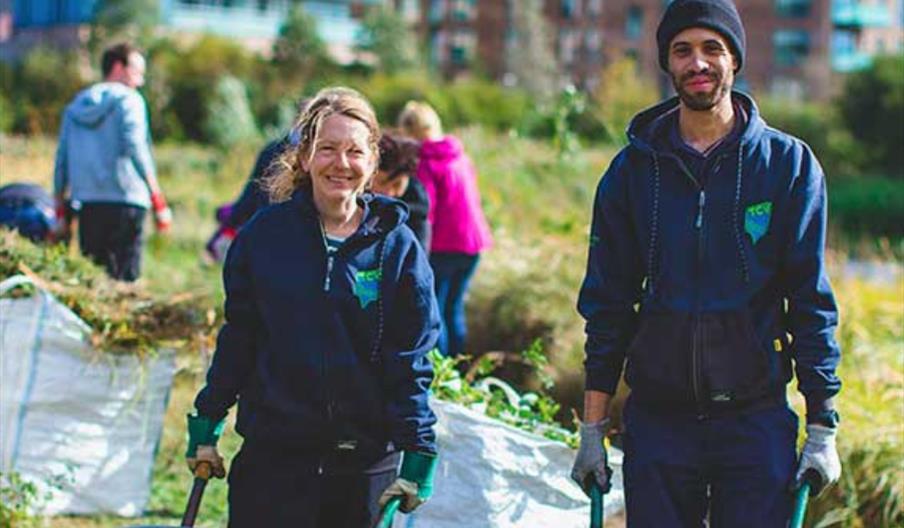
x: 330, y: 313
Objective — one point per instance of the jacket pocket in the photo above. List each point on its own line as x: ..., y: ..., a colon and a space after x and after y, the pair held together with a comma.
x: 735, y: 364
x: 658, y: 366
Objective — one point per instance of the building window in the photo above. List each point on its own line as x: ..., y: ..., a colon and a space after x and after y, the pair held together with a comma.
x: 461, y: 49
x: 571, y: 8
x: 568, y: 43
x: 438, y: 47
x: 411, y: 10
x: 437, y: 10
x: 793, y: 8
x: 634, y: 23
x: 791, y: 47
x: 463, y: 9
x: 593, y: 40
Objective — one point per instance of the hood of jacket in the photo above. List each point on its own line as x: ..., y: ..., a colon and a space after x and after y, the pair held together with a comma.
x: 94, y: 104
x: 382, y: 214
x: 645, y: 132
x: 449, y: 147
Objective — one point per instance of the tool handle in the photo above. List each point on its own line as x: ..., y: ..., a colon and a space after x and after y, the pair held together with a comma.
x: 202, y: 475
x: 596, y: 506
x: 388, y: 513
x: 800, y: 505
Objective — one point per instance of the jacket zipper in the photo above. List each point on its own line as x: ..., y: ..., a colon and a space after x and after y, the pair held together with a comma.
x: 695, y: 336
x: 695, y: 344
x: 323, y: 372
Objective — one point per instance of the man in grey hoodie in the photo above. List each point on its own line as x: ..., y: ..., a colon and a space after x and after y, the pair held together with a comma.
x: 104, y: 165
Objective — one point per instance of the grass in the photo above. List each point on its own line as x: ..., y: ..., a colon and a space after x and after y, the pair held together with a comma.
x: 524, y: 290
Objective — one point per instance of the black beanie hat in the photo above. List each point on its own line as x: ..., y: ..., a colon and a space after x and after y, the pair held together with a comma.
x: 718, y: 15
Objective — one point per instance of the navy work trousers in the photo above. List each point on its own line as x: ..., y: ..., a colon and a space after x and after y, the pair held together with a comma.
x: 111, y: 235
x: 736, y: 470
x: 452, y: 274
x: 274, y: 488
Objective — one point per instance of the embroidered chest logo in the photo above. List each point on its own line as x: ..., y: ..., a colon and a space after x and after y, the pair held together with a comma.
x: 367, y: 286
x: 756, y: 220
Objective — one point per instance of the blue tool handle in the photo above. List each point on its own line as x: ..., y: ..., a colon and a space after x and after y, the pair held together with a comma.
x: 596, y: 506
x: 388, y: 513
x: 800, y: 506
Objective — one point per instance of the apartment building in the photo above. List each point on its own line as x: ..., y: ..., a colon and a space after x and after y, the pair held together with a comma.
x: 26, y: 23
x: 795, y: 47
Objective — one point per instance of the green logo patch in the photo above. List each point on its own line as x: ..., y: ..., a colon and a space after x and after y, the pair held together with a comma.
x: 756, y: 220
x: 367, y: 286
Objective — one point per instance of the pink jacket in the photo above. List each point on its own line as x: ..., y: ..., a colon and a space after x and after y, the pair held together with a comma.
x: 455, y: 214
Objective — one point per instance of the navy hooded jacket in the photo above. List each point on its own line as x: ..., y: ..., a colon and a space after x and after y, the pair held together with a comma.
x: 326, y: 351
x: 726, y: 266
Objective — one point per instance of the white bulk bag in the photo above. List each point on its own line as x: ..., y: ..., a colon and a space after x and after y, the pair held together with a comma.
x: 496, y: 476
x: 88, y: 421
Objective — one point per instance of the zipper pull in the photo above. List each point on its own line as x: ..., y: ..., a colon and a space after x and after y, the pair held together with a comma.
x: 329, y: 271
x: 700, y: 203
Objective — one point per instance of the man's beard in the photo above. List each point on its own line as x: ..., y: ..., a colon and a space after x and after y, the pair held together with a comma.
x: 701, y: 101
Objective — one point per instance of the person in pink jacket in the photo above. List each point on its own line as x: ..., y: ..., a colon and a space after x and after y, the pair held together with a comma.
x: 460, y: 230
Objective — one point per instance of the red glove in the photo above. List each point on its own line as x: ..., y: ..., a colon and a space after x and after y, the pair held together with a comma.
x: 163, y: 215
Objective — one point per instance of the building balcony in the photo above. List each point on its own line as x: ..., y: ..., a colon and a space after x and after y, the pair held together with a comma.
x: 246, y: 19
x: 848, y: 13
x: 850, y: 61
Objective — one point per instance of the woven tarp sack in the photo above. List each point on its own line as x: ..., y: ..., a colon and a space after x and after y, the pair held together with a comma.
x: 492, y: 475
x: 81, y: 425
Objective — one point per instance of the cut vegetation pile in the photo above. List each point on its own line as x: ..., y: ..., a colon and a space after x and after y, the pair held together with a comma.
x: 124, y: 318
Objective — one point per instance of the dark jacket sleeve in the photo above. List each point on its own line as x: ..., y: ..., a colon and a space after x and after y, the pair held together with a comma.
x: 412, y: 329
x: 415, y: 197
x: 612, y: 284
x: 253, y: 195
x: 812, y: 313
x: 234, y: 358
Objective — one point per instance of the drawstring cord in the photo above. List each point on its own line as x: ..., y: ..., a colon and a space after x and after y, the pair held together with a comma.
x: 654, y: 224
x: 736, y: 211
x: 378, y: 343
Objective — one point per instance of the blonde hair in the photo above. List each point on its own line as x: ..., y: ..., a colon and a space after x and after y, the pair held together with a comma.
x: 420, y: 121
x: 287, y: 175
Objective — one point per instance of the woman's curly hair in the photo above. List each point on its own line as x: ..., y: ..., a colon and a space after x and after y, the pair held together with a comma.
x: 287, y: 175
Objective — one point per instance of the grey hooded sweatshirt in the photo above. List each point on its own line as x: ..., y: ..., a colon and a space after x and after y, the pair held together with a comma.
x: 104, y: 152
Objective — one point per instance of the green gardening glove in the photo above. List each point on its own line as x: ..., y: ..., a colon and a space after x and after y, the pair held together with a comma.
x: 203, y: 434
x: 415, y: 483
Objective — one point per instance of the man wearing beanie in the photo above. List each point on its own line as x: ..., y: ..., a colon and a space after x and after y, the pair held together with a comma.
x: 713, y: 225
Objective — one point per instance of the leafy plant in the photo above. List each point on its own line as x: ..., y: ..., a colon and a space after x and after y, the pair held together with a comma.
x: 534, y: 412
x: 20, y: 499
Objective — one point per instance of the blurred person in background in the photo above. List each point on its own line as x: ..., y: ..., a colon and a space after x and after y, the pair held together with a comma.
x: 398, y: 162
x: 459, y: 230
x: 230, y: 217
x: 104, y: 168
x: 330, y: 313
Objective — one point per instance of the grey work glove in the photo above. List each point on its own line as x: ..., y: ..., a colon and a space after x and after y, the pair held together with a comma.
x: 591, y: 462
x: 819, y: 456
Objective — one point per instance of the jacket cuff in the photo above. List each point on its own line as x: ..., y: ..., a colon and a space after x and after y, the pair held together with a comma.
x: 817, y: 405
x: 603, y: 379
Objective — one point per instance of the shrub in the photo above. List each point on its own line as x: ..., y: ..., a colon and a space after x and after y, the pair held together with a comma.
x: 190, y: 77
x: 819, y: 125
x: 229, y: 120
x: 622, y: 92
x: 868, y: 206
x: 44, y: 83
x: 872, y: 107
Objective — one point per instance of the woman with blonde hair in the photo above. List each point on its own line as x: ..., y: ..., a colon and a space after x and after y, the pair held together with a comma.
x: 330, y: 313
x: 459, y: 229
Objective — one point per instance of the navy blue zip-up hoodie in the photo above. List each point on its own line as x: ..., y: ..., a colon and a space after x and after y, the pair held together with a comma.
x: 726, y: 266
x: 326, y: 351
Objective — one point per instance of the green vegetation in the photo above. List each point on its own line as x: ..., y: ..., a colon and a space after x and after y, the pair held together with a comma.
x: 522, y: 300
